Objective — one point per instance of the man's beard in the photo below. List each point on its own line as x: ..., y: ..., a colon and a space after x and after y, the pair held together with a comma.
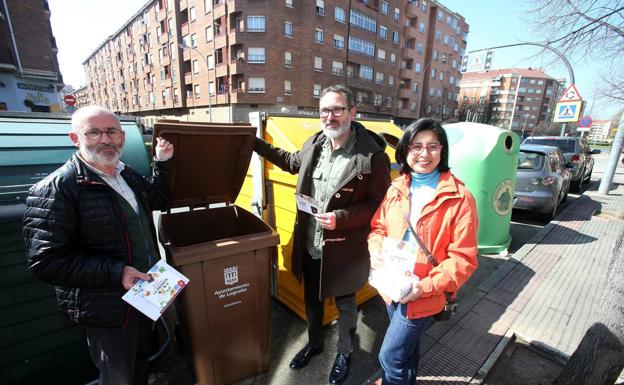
x: 337, y: 132
x: 92, y: 153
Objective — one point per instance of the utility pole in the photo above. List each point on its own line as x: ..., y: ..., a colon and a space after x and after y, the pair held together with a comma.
x: 614, y: 156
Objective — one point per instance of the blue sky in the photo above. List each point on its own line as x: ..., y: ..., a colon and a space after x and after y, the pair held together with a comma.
x: 80, y: 26
x: 498, y: 22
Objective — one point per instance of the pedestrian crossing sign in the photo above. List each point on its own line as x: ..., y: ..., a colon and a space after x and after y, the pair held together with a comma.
x: 567, y: 111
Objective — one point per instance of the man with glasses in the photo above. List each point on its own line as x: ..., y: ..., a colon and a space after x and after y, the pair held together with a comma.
x: 345, y: 169
x: 89, y: 231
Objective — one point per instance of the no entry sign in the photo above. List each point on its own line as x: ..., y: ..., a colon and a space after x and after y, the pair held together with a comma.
x: 70, y: 100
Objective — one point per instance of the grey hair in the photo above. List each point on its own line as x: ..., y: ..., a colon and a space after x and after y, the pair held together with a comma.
x: 88, y: 111
x: 340, y: 89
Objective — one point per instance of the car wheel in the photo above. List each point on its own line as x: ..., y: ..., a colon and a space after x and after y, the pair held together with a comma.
x: 551, y: 215
x: 588, y: 178
x: 575, y: 185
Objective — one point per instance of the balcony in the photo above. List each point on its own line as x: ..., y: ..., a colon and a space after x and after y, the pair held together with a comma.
x: 410, y: 31
x: 406, y: 113
x: 221, y: 70
x: 406, y: 93
x: 238, y: 66
x: 219, y: 9
x: 407, y: 73
x: 220, y: 39
x: 188, y: 78
x: 412, y: 10
x: 408, y: 53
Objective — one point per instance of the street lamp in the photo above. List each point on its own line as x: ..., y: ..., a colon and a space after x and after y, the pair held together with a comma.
x: 184, y: 46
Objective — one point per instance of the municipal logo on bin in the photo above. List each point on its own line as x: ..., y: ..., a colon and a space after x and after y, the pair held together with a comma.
x: 502, y: 199
x: 230, y: 275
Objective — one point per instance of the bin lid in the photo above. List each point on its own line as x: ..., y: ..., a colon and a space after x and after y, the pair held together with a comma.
x: 210, y: 160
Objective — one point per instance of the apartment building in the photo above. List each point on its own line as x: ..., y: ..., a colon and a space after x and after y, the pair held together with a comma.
x: 29, y: 71
x: 518, y: 99
x: 277, y: 56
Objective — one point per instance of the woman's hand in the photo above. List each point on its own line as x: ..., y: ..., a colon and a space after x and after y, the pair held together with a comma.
x: 414, y: 294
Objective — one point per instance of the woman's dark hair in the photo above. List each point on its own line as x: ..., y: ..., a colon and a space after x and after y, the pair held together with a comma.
x: 409, y: 134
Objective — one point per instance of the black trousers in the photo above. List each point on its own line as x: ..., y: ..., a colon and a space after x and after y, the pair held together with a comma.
x: 122, y: 354
x: 347, y: 309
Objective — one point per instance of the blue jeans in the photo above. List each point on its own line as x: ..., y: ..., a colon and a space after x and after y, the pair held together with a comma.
x: 399, y: 352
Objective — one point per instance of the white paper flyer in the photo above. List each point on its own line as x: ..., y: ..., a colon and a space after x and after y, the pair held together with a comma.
x: 307, y: 204
x: 395, y: 276
x: 153, y: 297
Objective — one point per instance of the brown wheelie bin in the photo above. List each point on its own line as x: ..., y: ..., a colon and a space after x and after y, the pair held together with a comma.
x: 224, y: 250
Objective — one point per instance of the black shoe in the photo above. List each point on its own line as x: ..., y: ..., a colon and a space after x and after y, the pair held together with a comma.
x: 340, y: 369
x: 301, y: 359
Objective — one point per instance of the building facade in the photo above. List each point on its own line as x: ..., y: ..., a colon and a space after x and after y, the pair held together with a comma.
x: 29, y: 71
x: 220, y: 59
x: 518, y: 99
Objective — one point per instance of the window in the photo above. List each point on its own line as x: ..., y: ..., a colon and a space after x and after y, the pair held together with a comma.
x: 317, y: 91
x: 431, y: 91
x: 194, y: 40
x: 195, y: 66
x: 361, y: 46
x: 211, y: 88
x: 383, y: 32
x: 256, y: 55
x: 192, y: 15
x: 366, y: 72
x: 256, y: 86
x: 211, y: 62
x: 207, y: 5
x: 381, y: 55
x: 350, y: 70
x: 417, y: 67
x: 255, y: 23
x: 288, y: 59
x: 287, y: 87
x: 339, y: 14
x: 420, y: 48
x: 338, y: 41
x: 390, y: 80
x: 363, y: 21
x: 318, y: 63
x: 438, y: 35
x: 197, y: 90
x: 320, y: 7
x: 415, y: 87
x: 337, y: 68
x: 209, y: 35
x: 441, y: 77
x: 319, y: 36
x: 397, y: 14
x: 385, y: 8
x: 379, y: 78
x: 433, y: 73
x: 424, y: 7
x: 393, y: 58
x: 395, y: 37
x: 421, y: 27
x: 289, y: 3
x: 288, y: 29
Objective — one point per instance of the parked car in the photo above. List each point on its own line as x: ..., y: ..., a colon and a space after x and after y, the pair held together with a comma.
x: 542, y: 180
x: 577, y: 154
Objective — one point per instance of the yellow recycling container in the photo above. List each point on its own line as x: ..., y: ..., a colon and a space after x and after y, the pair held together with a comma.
x: 271, y: 193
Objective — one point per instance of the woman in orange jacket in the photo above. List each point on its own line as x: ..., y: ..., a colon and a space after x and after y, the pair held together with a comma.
x: 443, y: 213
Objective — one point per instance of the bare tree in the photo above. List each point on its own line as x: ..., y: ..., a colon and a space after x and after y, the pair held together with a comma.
x: 478, y: 111
x: 589, y: 28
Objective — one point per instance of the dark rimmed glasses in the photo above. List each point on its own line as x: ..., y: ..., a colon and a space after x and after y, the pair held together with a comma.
x: 95, y: 134
x: 336, y: 111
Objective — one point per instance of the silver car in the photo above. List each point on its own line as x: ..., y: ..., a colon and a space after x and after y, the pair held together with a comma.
x: 542, y: 180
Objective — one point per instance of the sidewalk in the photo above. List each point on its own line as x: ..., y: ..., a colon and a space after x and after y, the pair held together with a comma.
x: 547, y: 291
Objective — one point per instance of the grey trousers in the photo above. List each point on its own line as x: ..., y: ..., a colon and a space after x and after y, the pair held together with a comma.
x: 122, y: 354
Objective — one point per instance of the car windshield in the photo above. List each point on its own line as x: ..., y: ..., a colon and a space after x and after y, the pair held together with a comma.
x: 530, y: 161
x: 565, y: 145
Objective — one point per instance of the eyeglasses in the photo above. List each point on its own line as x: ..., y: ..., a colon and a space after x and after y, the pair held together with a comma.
x: 336, y: 111
x: 95, y: 134
x: 432, y: 148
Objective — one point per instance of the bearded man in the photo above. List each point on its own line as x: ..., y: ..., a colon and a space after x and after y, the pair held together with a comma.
x: 345, y: 169
x: 89, y: 231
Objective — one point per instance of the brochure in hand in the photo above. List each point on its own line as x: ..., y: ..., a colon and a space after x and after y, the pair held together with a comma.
x: 153, y: 297
x: 395, y: 276
x: 307, y: 204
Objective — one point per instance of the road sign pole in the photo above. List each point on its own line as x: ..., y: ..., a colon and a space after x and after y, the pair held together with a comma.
x: 563, y: 128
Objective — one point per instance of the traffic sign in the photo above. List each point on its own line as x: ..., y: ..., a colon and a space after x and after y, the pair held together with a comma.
x: 571, y: 94
x: 585, y: 121
x: 567, y: 111
x: 70, y: 100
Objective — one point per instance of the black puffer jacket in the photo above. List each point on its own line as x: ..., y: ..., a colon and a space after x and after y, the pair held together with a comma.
x: 76, y: 238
